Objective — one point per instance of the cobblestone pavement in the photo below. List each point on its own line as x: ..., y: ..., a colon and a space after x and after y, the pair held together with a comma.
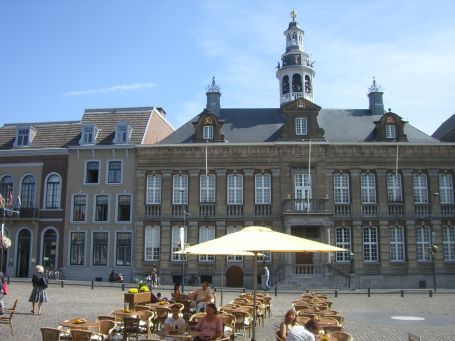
x: 366, y: 318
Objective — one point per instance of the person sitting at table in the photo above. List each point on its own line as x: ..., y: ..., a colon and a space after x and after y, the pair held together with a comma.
x: 174, y: 324
x: 209, y: 327
x: 201, y: 297
x: 304, y: 333
x: 290, y: 320
x: 176, y: 294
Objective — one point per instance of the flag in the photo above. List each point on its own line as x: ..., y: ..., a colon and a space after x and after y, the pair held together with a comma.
x: 2, y: 201
x: 10, y: 201
x: 3, y: 228
x: 182, y: 238
x: 18, y: 202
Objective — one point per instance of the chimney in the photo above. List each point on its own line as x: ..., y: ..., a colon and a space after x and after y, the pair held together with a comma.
x: 375, y: 96
x: 213, y: 98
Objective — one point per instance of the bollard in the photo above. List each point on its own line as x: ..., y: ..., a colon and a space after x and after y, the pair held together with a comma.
x: 430, y: 293
x: 123, y: 287
x: 243, y: 290
x: 369, y: 292
x: 276, y: 291
x: 214, y: 289
x: 336, y: 293
x: 402, y: 293
x: 61, y: 284
x: 7, y: 280
x: 93, y: 284
x: 307, y: 291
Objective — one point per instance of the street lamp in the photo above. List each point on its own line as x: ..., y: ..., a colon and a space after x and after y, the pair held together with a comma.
x: 351, y: 271
x: 182, y: 235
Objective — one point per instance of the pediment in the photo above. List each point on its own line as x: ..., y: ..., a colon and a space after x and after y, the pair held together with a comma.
x: 299, y: 105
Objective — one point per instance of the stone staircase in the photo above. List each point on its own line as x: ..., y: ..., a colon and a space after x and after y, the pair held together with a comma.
x: 313, y: 282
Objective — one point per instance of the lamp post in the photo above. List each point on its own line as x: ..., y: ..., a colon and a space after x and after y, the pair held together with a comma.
x: 351, y: 270
x: 182, y: 235
x: 2, y: 232
x: 433, y: 247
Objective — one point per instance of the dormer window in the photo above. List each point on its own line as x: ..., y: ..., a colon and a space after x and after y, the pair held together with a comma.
x: 89, y: 133
x: 122, y: 134
x: 301, y: 126
x: 390, y: 131
x: 207, y: 132
x: 24, y: 136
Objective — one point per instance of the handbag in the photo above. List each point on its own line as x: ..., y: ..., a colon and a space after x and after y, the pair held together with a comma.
x: 5, y: 289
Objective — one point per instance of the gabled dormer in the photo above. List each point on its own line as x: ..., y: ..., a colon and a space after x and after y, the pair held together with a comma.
x: 24, y: 136
x: 208, y: 128
x: 122, y: 133
x: 301, y: 121
x: 390, y: 128
x: 88, y: 134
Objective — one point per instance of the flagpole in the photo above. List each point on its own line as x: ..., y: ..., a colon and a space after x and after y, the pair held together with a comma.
x: 309, y: 178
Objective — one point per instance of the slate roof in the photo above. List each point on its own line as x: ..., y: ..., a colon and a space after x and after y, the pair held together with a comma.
x: 262, y: 125
x: 446, y: 131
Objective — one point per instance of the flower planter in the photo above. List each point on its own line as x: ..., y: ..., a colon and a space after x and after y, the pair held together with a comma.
x: 140, y: 297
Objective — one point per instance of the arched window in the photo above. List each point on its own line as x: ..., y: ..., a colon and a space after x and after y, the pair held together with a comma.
x: 53, y: 188
x: 285, y: 85
x: 6, y: 188
x: 28, y: 191
x: 296, y: 83
x: 50, y: 249
x: 307, y: 84
x: 294, y: 37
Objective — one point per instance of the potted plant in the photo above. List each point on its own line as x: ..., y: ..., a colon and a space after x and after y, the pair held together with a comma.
x: 138, y: 295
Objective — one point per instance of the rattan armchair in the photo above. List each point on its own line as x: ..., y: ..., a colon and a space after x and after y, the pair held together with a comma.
x: 54, y: 334
x: 340, y: 336
x: 7, y: 317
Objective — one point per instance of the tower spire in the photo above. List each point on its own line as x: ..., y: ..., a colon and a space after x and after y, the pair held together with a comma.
x: 213, y: 98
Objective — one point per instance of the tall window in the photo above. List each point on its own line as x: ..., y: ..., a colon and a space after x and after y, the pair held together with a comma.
x: 123, y: 254
x: 341, y: 188
x: 100, y: 241
x: 122, y: 133
x: 449, y: 243
x: 6, y: 188
x: 206, y: 233
x: 207, y: 188
x: 396, y: 241
x: 394, y: 190
x: 446, y: 189
x: 420, y: 187
x: 124, y: 207
x: 343, y: 240
x: 92, y: 171
x: 423, y: 243
x: 180, y: 194
x: 79, y: 207
x: 232, y: 229
x: 301, y: 126
x: 390, y: 131
x: 176, y: 242
x: 263, y: 189
x: 88, y: 134
x: 49, y: 249
x: 114, y: 172
x: 296, y: 83
x: 207, y: 132
x: 370, y: 244
x: 101, y: 208
x: 28, y: 192
x: 234, y: 189
x: 23, y: 137
x: 77, y: 248
x: 53, y: 188
x: 368, y: 188
x: 152, y: 243
x: 154, y: 189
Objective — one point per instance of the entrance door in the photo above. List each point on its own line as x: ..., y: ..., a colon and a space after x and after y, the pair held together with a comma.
x: 49, y: 249
x: 23, y: 253
x: 234, y: 277
x: 302, y: 191
x: 307, y: 232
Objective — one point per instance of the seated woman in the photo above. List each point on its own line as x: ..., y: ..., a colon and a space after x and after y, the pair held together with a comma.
x: 210, y: 327
x: 290, y: 320
x: 176, y: 294
x: 174, y: 324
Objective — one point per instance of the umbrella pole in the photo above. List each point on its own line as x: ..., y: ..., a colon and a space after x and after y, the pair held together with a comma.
x: 255, y: 279
x: 222, y: 278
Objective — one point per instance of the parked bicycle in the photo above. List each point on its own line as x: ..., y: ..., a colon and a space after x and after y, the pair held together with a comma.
x: 53, y: 274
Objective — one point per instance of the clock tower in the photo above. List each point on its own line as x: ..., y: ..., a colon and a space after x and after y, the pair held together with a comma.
x: 295, y: 73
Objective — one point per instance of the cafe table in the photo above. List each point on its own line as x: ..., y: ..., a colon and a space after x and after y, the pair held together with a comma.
x: 176, y: 337
x: 121, y: 313
x: 80, y: 323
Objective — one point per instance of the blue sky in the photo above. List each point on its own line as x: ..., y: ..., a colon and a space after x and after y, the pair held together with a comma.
x: 60, y: 57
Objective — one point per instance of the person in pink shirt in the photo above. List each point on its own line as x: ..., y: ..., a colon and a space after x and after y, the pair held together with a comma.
x: 210, y: 327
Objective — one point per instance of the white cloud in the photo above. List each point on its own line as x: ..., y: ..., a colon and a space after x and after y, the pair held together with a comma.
x: 114, y: 88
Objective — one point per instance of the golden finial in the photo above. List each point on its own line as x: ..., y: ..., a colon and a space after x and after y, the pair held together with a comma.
x: 293, y: 15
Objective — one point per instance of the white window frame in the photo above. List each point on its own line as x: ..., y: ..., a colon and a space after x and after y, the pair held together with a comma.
x: 423, y: 243
x: 390, y: 131
x: 154, y: 182
x: 94, y: 207
x: 152, y: 244
x: 206, y: 233
x: 396, y: 244
x: 175, y: 243
x: 207, y: 132
x: 73, y: 198
x: 394, y: 188
x: 232, y: 229
x: 341, y: 192
x: 108, y: 168
x: 368, y: 188
x: 23, y: 137
x: 420, y: 188
x: 89, y: 133
x: 117, y: 208
x: 180, y: 189
x: 370, y: 244
x: 263, y: 189
x: 446, y: 189
x: 207, y: 189
x: 122, y: 133
x: 343, y: 240
x: 235, y: 189
x: 85, y: 172
x: 449, y: 243
x: 28, y: 200
x: 301, y: 126
x: 58, y: 195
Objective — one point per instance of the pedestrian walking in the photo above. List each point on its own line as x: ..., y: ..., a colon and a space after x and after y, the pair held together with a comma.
x: 39, y: 292
x: 266, y: 278
x: 154, y: 276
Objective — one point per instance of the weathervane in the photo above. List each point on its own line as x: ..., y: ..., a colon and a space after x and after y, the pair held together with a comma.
x: 293, y: 15
x: 213, y: 87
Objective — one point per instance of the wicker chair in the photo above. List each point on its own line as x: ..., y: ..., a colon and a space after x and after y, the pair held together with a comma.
x: 107, y: 328
x: 194, y: 319
x: 278, y: 336
x: 340, y: 336
x: 106, y: 317
x: 132, y: 328
x: 81, y: 335
x: 161, y: 315
x: 243, y: 321
x: 228, y: 324
x: 7, y: 318
x: 54, y: 334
